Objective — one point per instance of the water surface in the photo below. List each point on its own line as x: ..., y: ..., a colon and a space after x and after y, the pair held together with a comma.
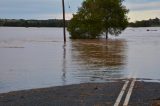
x: 37, y: 57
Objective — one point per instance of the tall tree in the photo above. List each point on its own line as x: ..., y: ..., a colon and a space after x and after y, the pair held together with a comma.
x: 95, y: 17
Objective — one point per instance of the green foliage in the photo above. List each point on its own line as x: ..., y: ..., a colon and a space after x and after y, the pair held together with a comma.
x: 32, y: 23
x: 98, y: 16
x: 146, y: 23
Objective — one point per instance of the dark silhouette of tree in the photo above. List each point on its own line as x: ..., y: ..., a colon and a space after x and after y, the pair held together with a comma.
x: 32, y: 23
x: 146, y: 23
x: 98, y: 16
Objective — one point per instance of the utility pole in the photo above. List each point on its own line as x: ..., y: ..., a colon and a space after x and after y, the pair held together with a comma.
x: 64, y: 23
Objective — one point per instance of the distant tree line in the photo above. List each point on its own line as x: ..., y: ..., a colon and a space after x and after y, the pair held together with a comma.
x: 32, y: 23
x: 146, y: 23
x: 59, y: 23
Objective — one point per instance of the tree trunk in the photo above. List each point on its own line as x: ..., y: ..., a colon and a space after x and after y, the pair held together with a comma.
x: 106, y: 34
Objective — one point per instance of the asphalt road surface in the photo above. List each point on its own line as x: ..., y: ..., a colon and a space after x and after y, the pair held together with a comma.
x: 120, y: 93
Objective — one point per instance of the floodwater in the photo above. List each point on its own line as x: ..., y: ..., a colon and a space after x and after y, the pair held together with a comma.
x: 37, y: 57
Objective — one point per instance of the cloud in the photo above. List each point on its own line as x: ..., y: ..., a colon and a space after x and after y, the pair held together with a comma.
x: 22, y: 6
x: 143, y: 6
x: 35, y: 8
x: 143, y: 15
x: 141, y: 1
x: 56, y: 16
x: 50, y: 9
x: 143, y: 9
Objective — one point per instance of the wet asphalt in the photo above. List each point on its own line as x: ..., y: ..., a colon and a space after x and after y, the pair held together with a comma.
x: 145, y: 94
x: 88, y: 94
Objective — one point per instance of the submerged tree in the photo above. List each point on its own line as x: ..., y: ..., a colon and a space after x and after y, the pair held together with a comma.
x: 96, y: 17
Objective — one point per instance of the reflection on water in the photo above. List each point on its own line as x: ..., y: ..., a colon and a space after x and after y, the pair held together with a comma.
x: 37, y: 57
x: 64, y: 65
x: 104, y: 58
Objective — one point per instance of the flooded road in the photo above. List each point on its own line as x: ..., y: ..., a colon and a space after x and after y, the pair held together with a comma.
x: 37, y: 57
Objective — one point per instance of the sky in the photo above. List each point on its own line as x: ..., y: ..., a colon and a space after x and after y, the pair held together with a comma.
x: 52, y: 9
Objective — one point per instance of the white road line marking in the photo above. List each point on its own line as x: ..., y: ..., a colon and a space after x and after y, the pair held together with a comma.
x: 121, y: 93
x: 129, y: 93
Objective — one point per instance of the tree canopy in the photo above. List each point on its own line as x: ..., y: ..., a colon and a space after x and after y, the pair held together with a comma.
x: 96, y: 17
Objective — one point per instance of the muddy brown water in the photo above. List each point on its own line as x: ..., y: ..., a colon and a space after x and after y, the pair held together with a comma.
x: 37, y: 57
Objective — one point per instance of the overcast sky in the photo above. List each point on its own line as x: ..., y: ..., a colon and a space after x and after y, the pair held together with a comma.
x: 52, y: 9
